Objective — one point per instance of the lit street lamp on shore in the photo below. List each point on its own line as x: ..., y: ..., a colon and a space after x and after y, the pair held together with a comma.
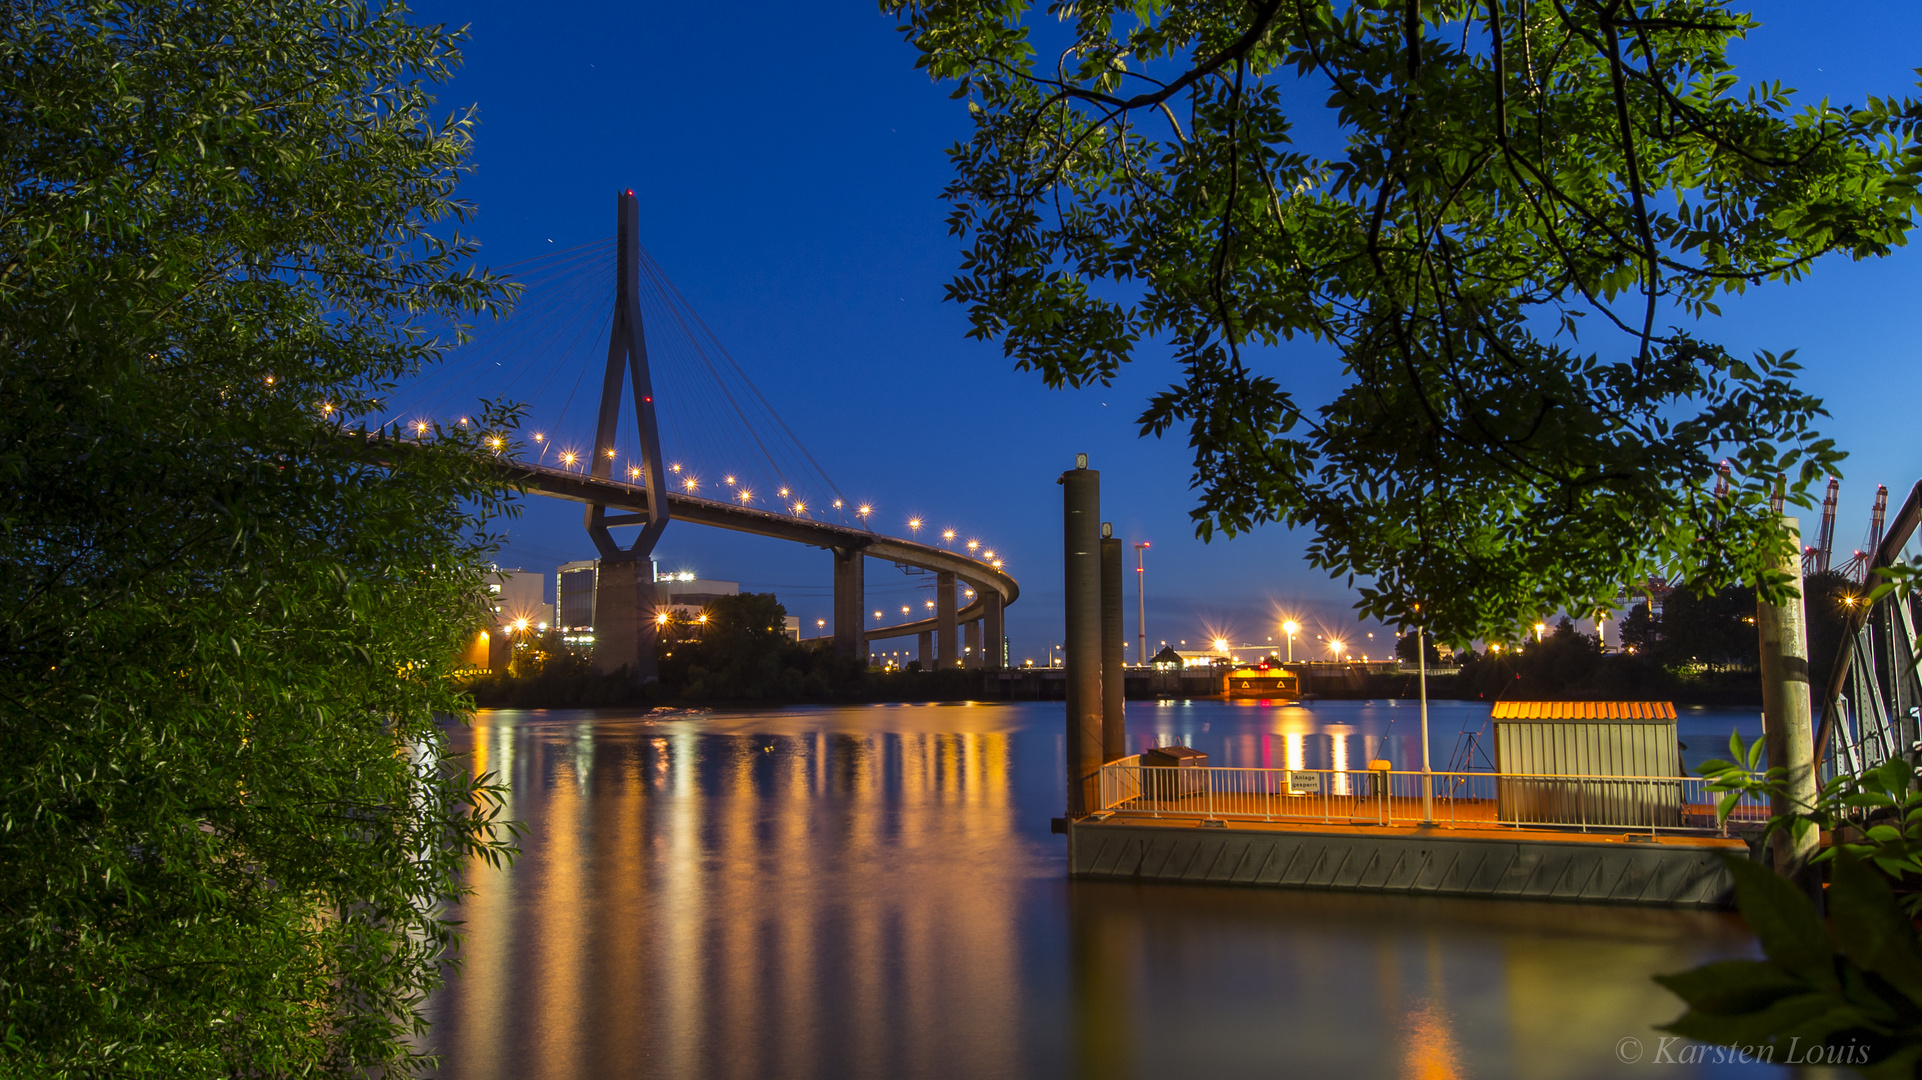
x: 1291, y: 628
x: 1141, y: 601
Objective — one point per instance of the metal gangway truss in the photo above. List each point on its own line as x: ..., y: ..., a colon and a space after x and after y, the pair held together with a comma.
x: 1872, y: 699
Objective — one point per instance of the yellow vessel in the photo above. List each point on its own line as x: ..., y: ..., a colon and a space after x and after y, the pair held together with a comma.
x: 1261, y: 680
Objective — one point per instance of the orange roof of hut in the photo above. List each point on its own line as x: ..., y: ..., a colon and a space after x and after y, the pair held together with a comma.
x: 1584, y: 710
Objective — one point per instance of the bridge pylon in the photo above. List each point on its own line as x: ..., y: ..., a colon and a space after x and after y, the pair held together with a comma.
x: 625, y: 597
x: 850, y: 607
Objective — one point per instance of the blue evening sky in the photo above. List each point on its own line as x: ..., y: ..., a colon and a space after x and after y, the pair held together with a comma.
x: 788, y: 160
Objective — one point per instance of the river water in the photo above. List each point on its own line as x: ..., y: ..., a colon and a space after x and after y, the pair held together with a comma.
x: 873, y: 891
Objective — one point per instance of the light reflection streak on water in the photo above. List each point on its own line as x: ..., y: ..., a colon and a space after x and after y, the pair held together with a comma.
x: 1338, y: 760
x: 873, y: 893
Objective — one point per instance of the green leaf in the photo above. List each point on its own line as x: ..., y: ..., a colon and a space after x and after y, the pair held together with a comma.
x: 1810, y: 1016
x: 1734, y: 986
x: 1870, y: 929
x: 1784, y: 920
x: 1893, y: 776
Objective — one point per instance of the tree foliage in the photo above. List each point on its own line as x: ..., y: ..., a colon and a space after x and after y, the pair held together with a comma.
x: 545, y: 672
x: 1851, y: 985
x: 1875, y: 818
x: 1845, y: 990
x: 1411, y: 647
x: 228, y: 823
x: 738, y: 647
x: 1503, y: 216
x: 1717, y: 629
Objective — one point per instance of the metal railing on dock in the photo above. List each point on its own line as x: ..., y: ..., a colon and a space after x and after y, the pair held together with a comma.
x: 1463, y: 800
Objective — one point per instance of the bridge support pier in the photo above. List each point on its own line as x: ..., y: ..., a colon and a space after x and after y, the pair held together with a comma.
x: 971, y: 644
x: 850, y: 598
x: 624, y: 633
x: 926, y: 652
x: 944, y: 619
x: 993, y: 657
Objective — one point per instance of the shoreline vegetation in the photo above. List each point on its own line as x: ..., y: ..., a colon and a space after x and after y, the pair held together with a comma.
x: 1690, y: 650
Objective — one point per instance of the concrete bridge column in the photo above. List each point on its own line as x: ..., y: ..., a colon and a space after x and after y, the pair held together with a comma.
x: 991, y: 630
x: 624, y: 632
x: 850, y: 600
x: 944, y: 619
x: 971, y: 640
x: 926, y: 653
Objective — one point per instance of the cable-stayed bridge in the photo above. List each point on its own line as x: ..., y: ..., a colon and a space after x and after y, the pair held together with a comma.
x: 637, y: 412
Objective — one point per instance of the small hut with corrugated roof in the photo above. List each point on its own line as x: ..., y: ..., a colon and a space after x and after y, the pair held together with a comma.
x: 1626, y: 753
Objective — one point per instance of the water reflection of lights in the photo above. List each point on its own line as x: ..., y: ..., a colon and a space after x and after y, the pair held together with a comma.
x: 701, y: 845
x: 1338, y: 761
x: 1428, y: 1049
x: 867, y: 895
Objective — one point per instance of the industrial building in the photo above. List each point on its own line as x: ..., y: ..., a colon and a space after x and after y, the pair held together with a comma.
x: 576, y: 586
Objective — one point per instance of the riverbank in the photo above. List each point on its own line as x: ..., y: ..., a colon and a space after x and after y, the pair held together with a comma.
x: 1357, y: 683
x: 586, y: 690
